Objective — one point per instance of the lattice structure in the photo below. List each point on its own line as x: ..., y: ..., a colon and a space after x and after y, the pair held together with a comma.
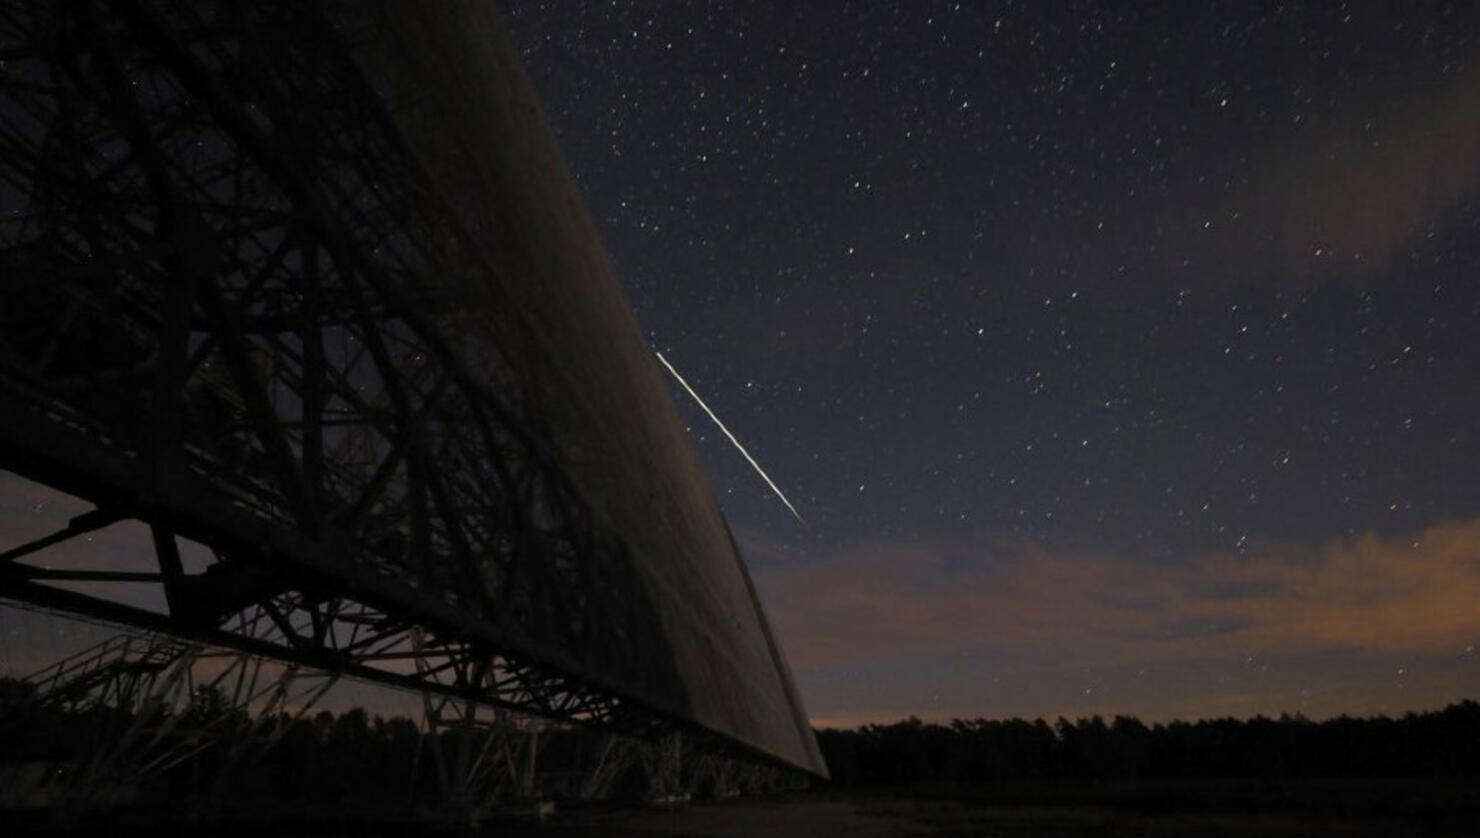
x: 482, y: 755
x: 142, y: 704
x: 146, y: 703
x: 671, y: 771
x: 208, y: 232
x: 240, y: 310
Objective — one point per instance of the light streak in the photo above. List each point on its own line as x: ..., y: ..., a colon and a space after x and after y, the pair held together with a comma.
x: 746, y: 454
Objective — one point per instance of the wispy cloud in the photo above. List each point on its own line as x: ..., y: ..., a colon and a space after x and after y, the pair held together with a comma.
x: 1348, y: 193
x: 1417, y: 593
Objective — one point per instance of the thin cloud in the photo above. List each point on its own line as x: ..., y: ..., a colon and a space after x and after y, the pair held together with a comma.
x: 1411, y: 594
x: 1347, y: 197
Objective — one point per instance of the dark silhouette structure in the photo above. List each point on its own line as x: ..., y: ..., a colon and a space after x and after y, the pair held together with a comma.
x: 308, y: 285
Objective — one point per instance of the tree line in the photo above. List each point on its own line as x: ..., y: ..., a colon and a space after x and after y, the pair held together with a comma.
x: 354, y: 755
x: 1440, y: 743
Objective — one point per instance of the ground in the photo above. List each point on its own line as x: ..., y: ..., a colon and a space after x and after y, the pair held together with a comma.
x: 818, y: 816
x: 1185, y: 809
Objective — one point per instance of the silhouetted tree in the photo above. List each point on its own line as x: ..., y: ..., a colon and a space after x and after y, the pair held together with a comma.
x: 353, y: 758
x: 1443, y: 743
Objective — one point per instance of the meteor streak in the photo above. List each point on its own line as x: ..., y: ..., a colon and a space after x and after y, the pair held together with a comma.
x: 746, y: 454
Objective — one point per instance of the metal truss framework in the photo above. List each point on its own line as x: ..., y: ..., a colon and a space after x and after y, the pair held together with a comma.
x: 487, y: 759
x: 142, y: 701
x: 482, y: 756
x: 147, y: 702
x: 674, y: 770
x: 235, y: 311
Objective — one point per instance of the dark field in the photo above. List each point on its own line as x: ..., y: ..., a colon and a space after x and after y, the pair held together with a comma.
x: 1357, y: 809
x: 1366, y: 808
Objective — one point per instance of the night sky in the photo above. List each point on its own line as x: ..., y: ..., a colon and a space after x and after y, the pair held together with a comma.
x: 1120, y: 357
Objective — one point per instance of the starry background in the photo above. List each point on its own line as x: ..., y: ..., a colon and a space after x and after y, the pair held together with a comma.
x: 1120, y: 357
